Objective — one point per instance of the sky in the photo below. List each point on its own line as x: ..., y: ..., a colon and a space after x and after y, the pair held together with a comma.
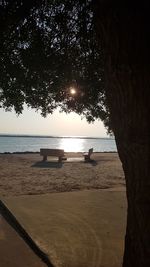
x: 57, y: 124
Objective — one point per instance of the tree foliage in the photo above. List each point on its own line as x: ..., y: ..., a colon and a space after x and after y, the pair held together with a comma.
x: 46, y: 48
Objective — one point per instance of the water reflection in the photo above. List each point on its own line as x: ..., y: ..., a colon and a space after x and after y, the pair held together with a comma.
x: 72, y: 144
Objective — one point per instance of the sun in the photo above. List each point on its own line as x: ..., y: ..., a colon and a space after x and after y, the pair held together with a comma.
x: 72, y: 91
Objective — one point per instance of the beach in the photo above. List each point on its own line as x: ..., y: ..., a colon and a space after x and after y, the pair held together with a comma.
x: 26, y: 174
x: 75, y: 211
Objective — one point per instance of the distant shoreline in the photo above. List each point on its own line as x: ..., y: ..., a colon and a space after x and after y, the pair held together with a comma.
x: 48, y: 136
x: 38, y: 152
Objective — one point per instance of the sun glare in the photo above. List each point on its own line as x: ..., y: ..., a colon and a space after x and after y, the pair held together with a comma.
x: 72, y: 144
x: 72, y: 91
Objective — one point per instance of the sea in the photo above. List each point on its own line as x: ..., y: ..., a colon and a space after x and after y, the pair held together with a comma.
x: 28, y: 143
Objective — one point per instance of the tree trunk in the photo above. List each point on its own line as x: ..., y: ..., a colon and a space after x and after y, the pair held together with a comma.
x: 123, y: 34
x: 130, y: 117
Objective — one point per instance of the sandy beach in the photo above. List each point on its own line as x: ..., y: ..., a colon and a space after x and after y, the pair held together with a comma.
x: 26, y: 174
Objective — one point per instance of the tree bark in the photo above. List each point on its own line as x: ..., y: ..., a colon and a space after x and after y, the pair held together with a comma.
x: 130, y: 120
x: 123, y: 34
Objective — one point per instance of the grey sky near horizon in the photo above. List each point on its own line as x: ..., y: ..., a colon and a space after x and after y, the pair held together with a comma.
x: 57, y: 124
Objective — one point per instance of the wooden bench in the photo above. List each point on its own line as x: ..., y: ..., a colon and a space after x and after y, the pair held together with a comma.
x: 52, y: 152
x: 88, y: 155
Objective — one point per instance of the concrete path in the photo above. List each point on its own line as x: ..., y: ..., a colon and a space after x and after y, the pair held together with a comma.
x: 76, y: 229
x: 14, y: 252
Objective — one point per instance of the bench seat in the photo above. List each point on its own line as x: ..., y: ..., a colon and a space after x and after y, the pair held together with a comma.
x: 52, y: 152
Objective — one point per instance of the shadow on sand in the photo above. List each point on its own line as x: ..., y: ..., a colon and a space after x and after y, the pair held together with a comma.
x: 92, y: 162
x: 56, y: 164
x: 47, y: 164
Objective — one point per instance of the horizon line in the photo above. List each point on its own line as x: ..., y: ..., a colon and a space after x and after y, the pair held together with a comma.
x: 54, y: 136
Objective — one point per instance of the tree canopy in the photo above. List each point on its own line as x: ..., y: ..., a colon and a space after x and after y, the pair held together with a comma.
x: 47, y: 47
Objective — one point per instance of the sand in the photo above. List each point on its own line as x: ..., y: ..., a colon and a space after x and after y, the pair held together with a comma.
x: 26, y: 174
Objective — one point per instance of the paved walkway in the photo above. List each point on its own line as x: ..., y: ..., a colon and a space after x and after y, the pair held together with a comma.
x: 14, y: 252
x: 75, y: 229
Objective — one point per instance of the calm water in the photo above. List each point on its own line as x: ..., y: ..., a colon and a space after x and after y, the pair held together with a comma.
x: 33, y: 144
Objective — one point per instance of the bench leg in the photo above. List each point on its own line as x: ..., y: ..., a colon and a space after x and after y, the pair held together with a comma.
x: 60, y: 159
x: 44, y: 158
x: 87, y: 158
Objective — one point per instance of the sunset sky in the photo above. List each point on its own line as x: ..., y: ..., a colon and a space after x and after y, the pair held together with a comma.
x: 58, y: 124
